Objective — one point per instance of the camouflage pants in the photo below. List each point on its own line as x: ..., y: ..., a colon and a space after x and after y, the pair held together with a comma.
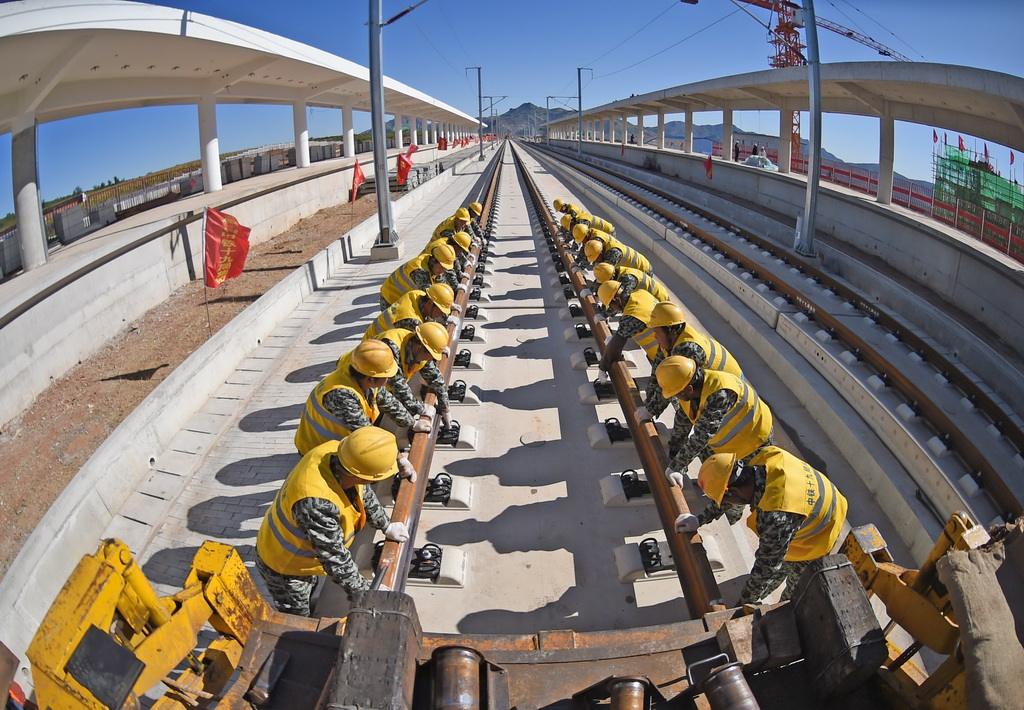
x: 292, y: 595
x: 788, y: 572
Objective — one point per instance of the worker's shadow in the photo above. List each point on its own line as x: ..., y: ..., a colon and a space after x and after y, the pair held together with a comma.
x: 372, y: 298
x: 222, y: 517
x: 349, y: 332
x: 522, y: 269
x: 519, y: 466
x: 257, y: 470
x: 311, y: 373
x: 520, y: 321
x: 530, y: 350
x: 284, y: 418
x: 521, y: 294
x: 525, y: 397
x: 171, y: 565
x: 520, y: 254
x: 354, y: 314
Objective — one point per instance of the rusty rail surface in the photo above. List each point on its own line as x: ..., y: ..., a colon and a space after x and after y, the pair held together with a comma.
x: 692, y: 567
x: 981, y: 470
x: 396, y: 557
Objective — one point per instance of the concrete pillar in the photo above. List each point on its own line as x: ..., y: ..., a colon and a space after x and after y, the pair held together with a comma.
x: 413, y: 133
x: 661, y: 130
x: 348, y: 132
x: 886, y: 150
x: 399, y: 132
x: 209, y: 145
x: 785, y: 140
x: 27, y: 207
x: 301, y: 126
x: 688, y: 141
x: 727, y: 134
x: 625, y: 129
x: 639, y: 129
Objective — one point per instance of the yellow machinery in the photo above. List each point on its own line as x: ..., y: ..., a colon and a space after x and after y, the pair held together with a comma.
x: 108, y: 638
x: 917, y: 601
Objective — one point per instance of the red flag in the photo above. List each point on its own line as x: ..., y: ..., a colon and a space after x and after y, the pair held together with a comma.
x: 227, y: 245
x: 935, y: 136
x: 1011, y: 157
x: 962, y: 146
x: 357, y: 179
x: 622, y: 150
x: 986, y: 152
x: 708, y: 166
x: 405, y: 164
x: 442, y: 143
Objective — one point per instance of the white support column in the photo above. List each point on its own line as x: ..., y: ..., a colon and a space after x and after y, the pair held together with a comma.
x: 348, y: 132
x: 27, y: 207
x: 886, y: 152
x: 625, y: 129
x: 300, y: 124
x: 399, y: 132
x: 209, y: 145
x: 414, y: 131
x: 688, y: 140
x: 727, y: 134
x: 785, y: 142
x: 661, y: 130
x: 639, y: 129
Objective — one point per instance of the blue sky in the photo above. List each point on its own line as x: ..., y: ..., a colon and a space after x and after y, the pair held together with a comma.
x: 530, y: 49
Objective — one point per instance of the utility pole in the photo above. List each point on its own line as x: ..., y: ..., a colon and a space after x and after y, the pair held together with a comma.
x: 386, y: 246
x: 579, y: 107
x: 547, y: 117
x: 490, y: 111
x: 479, y: 109
x: 805, y: 238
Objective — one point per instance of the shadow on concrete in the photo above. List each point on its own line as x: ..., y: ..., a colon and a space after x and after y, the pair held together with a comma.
x: 170, y: 565
x: 525, y: 397
x: 272, y: 419
x: 337, y: 335
x: 518, y: 294
x: 257, y: 470
x: 354, y: 314
x: 535, y: 349
x: 520, y: 254
x: 372, y: 298
x: 222, y: 516
x: 523, y: 321
x: 529, y: 269
x: 311, y: 373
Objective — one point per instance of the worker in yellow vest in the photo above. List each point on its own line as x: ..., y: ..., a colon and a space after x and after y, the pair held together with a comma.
x: 796, y: 512
x: 461, y: 243
x: 723, y: 415
x: 352, y: 397
x: 677, y: 337
x: 600, y: 247
x: 568, y: 208
x: 434, y: 305
x: 632, y: 278
x: 324, y: 502
x: 458, y: 222
x: 636, y: 308
x: 476, y: 213
x: 419, y: 272
x: 417, y: 352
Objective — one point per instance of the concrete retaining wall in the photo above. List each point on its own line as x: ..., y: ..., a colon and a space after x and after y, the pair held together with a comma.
x: 961, y: 270
x: 78, y: 518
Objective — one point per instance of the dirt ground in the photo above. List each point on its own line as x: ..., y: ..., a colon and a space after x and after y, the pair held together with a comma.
x: 44, y: 447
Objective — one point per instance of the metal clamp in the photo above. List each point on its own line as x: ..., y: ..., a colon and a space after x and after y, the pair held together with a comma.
x: 472, y: 311
x: 457, y: 390
x: 569, y: 292
x: 439, y: 489
x: 633, y: 486
x: 604, y: 390
x: 478, y: 280
x: 650, y: 555
x: 474, y: 294
x: 590, y: 355
x: 575, y: 310
x: 468, y: 331
x: 449, y: 435
x: 426, y: 562
x: 563, y: 278
x: 583, y: 331
x: 463, y: 358
x: 616, y: 432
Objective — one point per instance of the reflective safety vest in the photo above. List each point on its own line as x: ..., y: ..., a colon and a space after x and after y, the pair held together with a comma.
x: 630, y: 256
x: 281, y: 544
x: 746, y: 426
x: 400, y: 281
x: 717, y: 357
x: 445, y: 229
x: 639, y: 306
x: 794, y: 487
x: 317, y: 424
x: 405, y: 308
x: 400, y: 337
x: 644, y: 282
x: 603, y: 224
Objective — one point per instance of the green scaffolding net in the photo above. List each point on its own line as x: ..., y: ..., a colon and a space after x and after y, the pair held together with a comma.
x: 970, y: 178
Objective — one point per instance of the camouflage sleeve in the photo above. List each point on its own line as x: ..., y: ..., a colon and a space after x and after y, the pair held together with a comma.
x: 344, y: 405
x: 407, y: 324
x: 654, y: 401
x: 321, y: 522
x: 691, y: 350
x: 612, y: 256
x: 390, y: 405
x: 716, y: 407
x: 399, y: 386
x: 421, y: 278
x: 775, y: 530
x: 431, y: 374
x: 713, y: 511
x: 375, y: 512
x: 629, y: 284
x: 630, y: 326
x: 477, y: 232
x: 450, y: 278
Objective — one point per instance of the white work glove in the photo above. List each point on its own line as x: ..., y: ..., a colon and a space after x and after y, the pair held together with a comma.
x: 603, y: 377
x: 452, y: 320
x: 456, y: 308
x: 471, y: 259
x: 421, y: 425
x: 576, y: 270
x: 405, y: 469
x: 462, y: 286
x: 687, y: 523
x: 397, y: 532
x: 446, y: 352
x: 642, y: 414
x: 429, y: 410
x: 675, y: 478
x: 446, y: 418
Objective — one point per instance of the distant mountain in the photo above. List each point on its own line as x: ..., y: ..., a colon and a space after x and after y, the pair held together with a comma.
x: 526, y: 119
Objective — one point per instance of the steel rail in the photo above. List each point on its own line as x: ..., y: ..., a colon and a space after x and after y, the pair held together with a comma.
x: 700, y: 589
x: 976, y: 462
x: 396, y: 557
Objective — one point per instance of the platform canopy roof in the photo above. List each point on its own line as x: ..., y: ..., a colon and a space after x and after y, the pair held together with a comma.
x: 980, y: 102
x: 64, y: 58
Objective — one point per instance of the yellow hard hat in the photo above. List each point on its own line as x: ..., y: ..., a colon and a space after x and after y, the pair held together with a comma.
x: 579, y: 233
x: 369, y: 453
x: 598, y: 234
x: 373, y: 358
x: 463, y: 240
x: 442, y: 296
x: 603, y: 272
x: 462, y: 214
x: 582, y: 216
x: 714, y: 475
x: 667, y: 313
x: 566, y: 222
x: 476, y: 208
x: 606, y: 291
x: 445, y: 255
x: 434, y: 337
x: 558, y: 204
x: 593, y: 249
x: 674, y: 374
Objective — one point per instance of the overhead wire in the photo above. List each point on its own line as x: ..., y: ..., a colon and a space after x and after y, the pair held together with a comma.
x: 647, y: 24
x: 434, y: 47
x: 884, y: 27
